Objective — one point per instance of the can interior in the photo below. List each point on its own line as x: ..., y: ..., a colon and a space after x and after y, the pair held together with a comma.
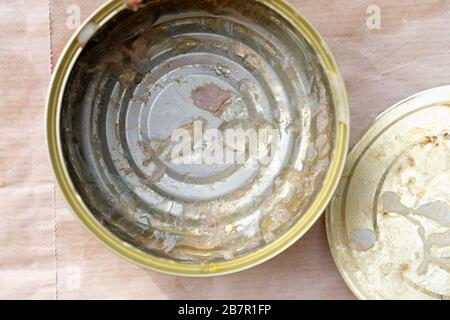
x: 183, y: 64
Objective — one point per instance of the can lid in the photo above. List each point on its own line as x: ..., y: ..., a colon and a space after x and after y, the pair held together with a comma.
x: 389, y: 222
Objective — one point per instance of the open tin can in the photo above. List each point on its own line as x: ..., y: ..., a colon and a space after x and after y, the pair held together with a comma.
x: 140, y: 109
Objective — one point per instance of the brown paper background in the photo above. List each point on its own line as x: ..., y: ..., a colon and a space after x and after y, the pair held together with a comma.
x: 46, y: 254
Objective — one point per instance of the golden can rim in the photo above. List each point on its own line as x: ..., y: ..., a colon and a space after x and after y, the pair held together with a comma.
x: 76, y: 203
x: 387, y: 117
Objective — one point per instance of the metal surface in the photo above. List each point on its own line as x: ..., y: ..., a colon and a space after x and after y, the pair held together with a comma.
x: 388, y: 225
x: 128, y: 79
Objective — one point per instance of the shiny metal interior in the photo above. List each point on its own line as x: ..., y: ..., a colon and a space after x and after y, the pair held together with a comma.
x: 147, y: 73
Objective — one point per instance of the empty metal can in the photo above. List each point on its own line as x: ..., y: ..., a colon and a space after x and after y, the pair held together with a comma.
x: 197, y: 137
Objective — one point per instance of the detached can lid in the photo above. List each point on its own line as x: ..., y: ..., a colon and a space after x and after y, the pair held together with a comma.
x: 389, y: 223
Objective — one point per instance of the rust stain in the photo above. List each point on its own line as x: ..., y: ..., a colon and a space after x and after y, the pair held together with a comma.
x: 211, y: 97
x: 411, y: 183
x: 411, y: 161
x: 404, y: 267
x: 428, y: 140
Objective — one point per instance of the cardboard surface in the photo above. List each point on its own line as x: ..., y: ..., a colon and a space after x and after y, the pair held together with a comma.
x: 47, y: 254
x: 27, y: 235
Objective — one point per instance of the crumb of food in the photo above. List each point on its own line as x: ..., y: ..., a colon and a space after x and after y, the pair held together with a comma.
x: 404, y: 267
x: 156, y: 176
x: 227, y: 255
x: 223, y: 70
x: 168, y: 241
x: 210, y: 97
x: 133, y: 5
x: 411, y: 161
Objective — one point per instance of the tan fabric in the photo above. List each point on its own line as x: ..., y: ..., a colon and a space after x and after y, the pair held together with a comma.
x: 45, y: 253
x: 27, y: 253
